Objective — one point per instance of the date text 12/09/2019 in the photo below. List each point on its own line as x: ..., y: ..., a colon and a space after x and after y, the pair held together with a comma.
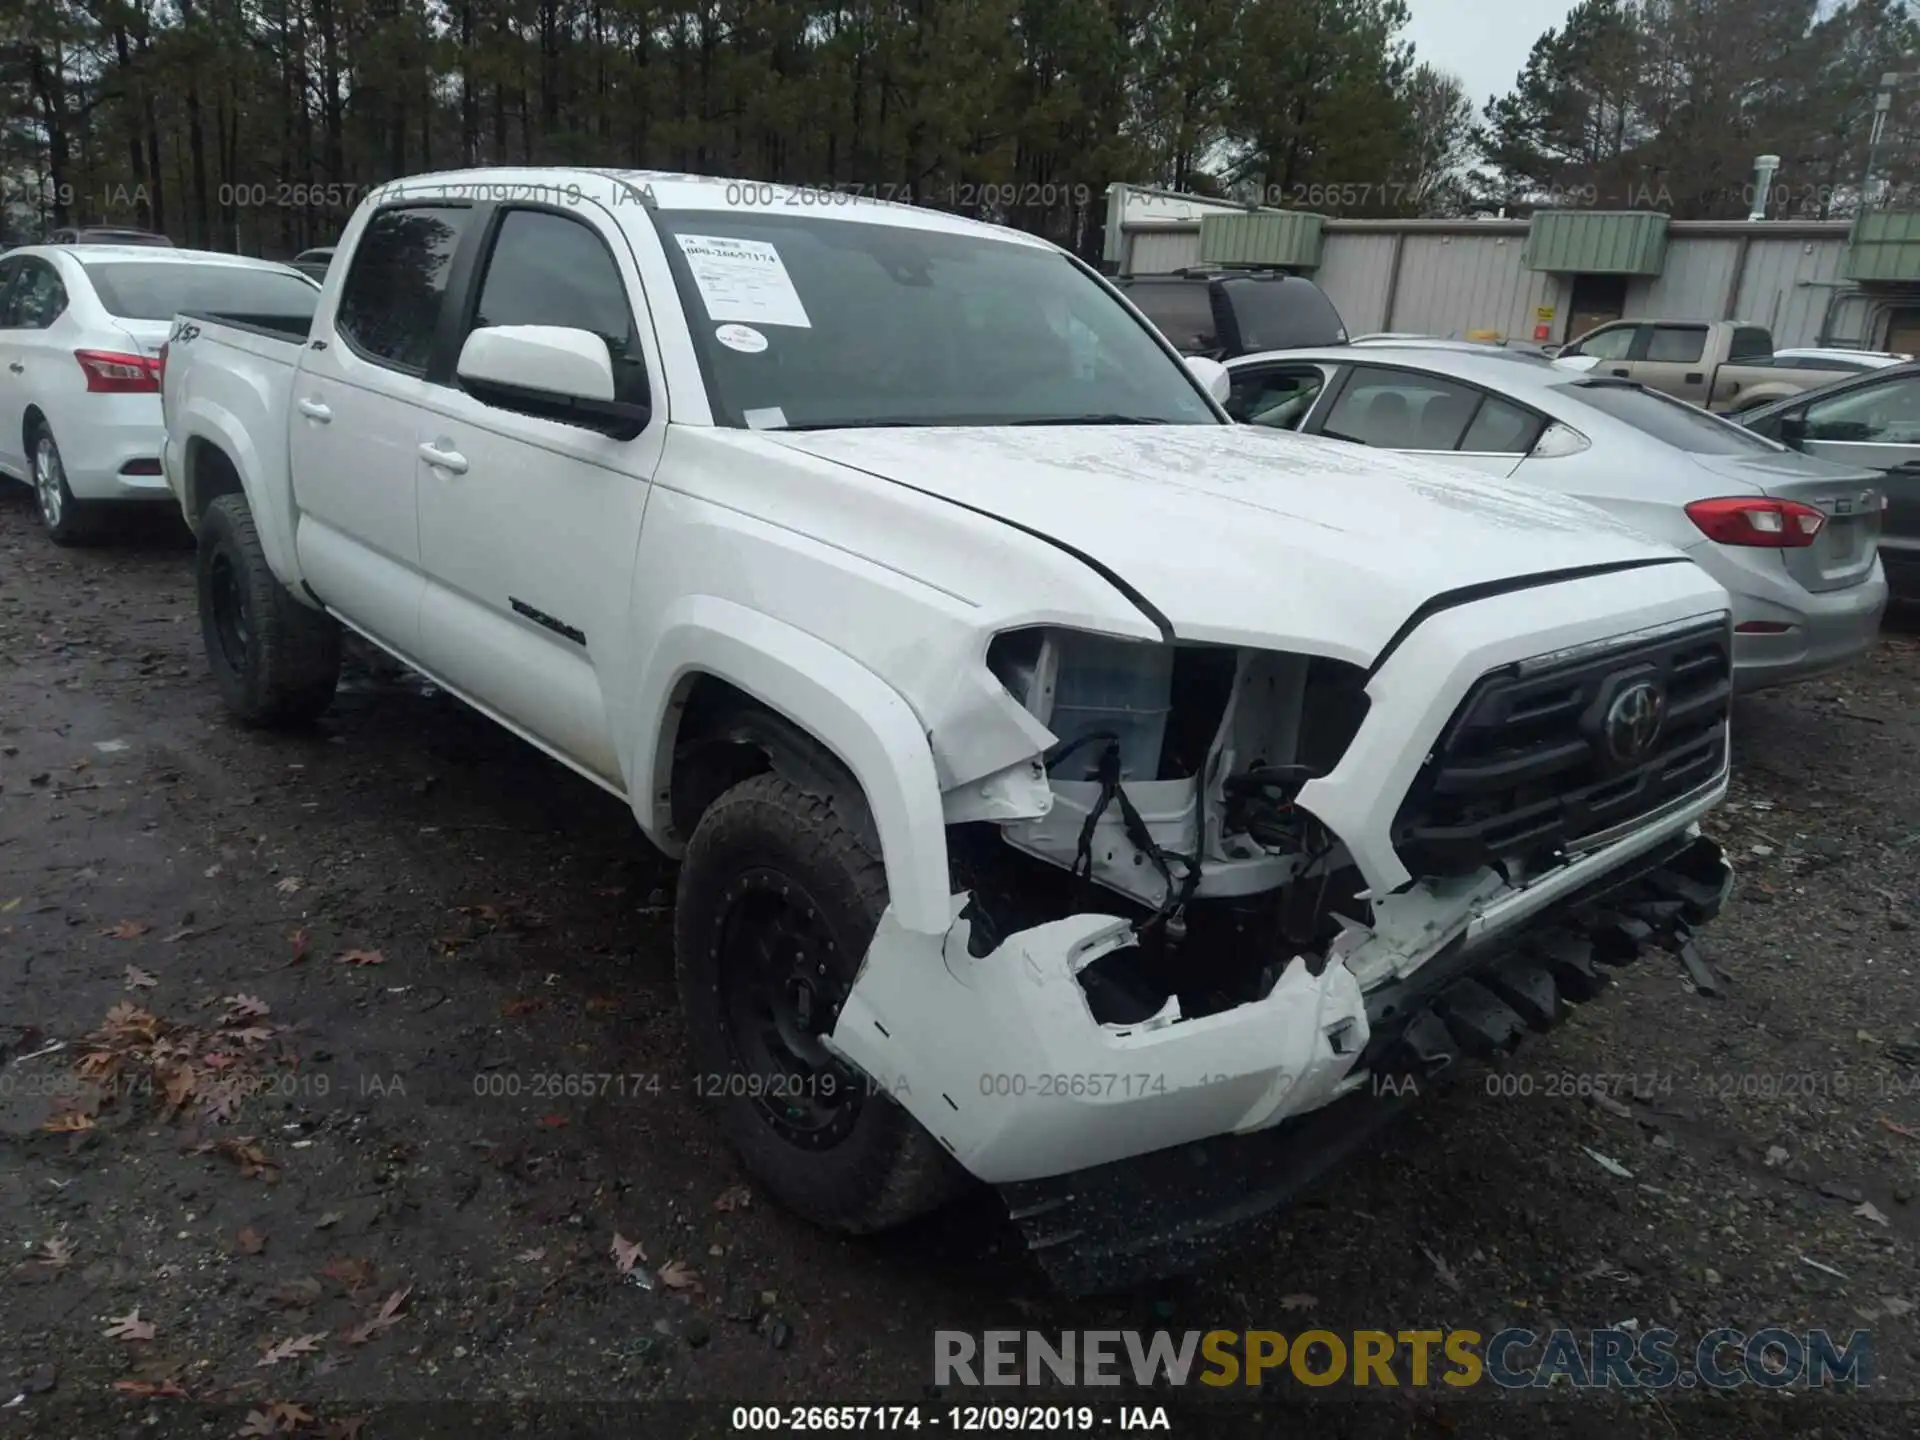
x: 990, y: 1419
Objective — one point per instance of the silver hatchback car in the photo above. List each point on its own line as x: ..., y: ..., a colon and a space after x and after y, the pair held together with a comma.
x: 1794, y: 539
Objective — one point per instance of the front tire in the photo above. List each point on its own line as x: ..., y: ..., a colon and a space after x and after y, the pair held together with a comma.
x: 276, y: 661
x: 68, y: 521
x: 779, y: 895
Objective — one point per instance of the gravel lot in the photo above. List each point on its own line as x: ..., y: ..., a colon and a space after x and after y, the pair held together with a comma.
x: 386, y: 932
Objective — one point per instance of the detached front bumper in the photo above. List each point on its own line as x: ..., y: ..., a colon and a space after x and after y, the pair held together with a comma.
x: 1169, y: 1211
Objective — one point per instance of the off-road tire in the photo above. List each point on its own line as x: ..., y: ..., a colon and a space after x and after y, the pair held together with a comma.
x: 887, y: 1169
x: 78, y: 521
x: 283, y: 667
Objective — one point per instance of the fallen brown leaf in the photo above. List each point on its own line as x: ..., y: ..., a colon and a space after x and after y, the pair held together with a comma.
x: 1899, y: 1129
x: 677, y: 1275
x: 69, y: 1122
x: 292, y: 885
x: 351, y: 1273
x: 1867, y: 1210
x: 298, y: 939
x: 347, y: 1428
x: 524, y: 1006
x: 56, y: 1251
x: 539, y: 1252
x: 387, y: 1315
x: 626, y: 1253
x: 151, y: 1389
x: 362, y: 957
x: 138, y: 979
x: 243, y: 1007
x: 257, y: 1423
x: 296, y: 1294
x: 291, y: 1348
x: 127, y: 930
x: 734, y: 1197
x: 1298, y: 1302
x: 250, y: 1241
x: 128, y: 1327
x: 554, y: 1122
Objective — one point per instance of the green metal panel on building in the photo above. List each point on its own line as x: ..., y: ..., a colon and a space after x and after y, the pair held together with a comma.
x: 1262, y: 237
x: 1597, y: 242
x: 1884, y: 245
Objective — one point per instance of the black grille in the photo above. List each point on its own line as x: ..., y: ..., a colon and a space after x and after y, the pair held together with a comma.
x: 1542, y: 754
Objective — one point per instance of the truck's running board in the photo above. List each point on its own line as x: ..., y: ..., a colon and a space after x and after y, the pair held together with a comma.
x: 1170, y: 1212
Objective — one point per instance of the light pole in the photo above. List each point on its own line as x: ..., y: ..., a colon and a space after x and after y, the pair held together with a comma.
x: 1882, y: 107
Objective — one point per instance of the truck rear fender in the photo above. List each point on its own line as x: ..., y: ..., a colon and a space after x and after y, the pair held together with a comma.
x: 212, y: 432
x: 828, y: 696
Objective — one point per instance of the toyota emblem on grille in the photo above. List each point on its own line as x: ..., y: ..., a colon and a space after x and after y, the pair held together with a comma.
x: 1633, y: 721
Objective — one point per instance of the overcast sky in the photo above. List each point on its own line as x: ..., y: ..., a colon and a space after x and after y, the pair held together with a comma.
x: 1484, y: 42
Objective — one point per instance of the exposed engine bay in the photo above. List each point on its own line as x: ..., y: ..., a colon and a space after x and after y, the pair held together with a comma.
x: 1174, y: 779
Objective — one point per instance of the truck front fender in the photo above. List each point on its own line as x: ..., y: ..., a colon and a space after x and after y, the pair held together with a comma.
x: 204, y: 423
x: 837, y: 701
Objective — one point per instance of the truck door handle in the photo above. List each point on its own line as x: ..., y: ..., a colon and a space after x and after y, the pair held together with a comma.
x: 16, y: 367
x: 1694, y: 377
x: 451, y: 460
x: 314, y: 410
x: 1621, y: 372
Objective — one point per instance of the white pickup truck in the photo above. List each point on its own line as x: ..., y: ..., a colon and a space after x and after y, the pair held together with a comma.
x: 1071, y: 788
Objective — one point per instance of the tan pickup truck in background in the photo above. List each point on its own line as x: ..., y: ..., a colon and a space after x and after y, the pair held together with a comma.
x: 1724, y: 365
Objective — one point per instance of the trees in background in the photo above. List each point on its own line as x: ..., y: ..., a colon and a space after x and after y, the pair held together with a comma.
x: 257, y: 124
x: 1666, y: 103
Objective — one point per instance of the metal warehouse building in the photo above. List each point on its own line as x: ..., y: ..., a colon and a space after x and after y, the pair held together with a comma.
x: 1557, y: 274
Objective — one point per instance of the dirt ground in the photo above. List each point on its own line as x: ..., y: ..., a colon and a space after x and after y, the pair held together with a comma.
x: 378, y: 948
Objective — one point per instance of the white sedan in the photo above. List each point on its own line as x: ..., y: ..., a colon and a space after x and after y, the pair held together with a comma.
x: 81, y: 331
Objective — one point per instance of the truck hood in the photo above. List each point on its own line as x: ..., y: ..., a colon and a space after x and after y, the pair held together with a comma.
x: 1245, y: 536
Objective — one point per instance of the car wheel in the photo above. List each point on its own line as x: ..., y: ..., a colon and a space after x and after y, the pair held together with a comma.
x: 68, y: 521
x: 275, y: 660
x: 778, y: 898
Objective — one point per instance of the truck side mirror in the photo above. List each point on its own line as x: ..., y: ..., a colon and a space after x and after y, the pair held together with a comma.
x: 552, y: 371
x: 1793, y: 429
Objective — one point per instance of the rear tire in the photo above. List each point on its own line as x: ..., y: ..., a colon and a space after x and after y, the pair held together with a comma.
x: 778, y: 899
x: 275, y: 660
x: 69, y: 521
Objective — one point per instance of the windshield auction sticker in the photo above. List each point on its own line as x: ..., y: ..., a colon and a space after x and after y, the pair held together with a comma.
x: 744, y: 338
x: 743, y: 280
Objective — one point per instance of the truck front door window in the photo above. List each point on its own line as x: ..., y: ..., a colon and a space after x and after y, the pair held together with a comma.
x: 546, y: 269
x: 390, y: 304
x: 1610, y: 344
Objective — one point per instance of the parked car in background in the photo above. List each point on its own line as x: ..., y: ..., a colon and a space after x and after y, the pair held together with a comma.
x: 1723, y: 365
x: 1872, y: 420
x: 1218, y: 313
x: 1847, y: 362
x: 1794, y: 539
x: 314, y: 262
x: 105, y: 235
x: 922, y: 601
x: 81, y: 329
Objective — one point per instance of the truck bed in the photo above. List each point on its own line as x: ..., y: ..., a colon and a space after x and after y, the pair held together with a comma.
x: 271, y: 327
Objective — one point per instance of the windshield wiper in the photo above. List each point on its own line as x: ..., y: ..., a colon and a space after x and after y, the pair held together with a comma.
x: 1110, y: 419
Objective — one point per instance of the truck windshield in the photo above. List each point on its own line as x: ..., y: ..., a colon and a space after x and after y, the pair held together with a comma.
x: 159, y: 290
x: 825, y: 323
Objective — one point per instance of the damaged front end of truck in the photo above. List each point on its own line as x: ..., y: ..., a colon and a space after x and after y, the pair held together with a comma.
x: 1199, y: 946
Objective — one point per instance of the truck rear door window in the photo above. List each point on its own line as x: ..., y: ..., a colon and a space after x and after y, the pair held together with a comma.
x: 1750, y: 342
x: 1677, y: 344
x: 390, y: 304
